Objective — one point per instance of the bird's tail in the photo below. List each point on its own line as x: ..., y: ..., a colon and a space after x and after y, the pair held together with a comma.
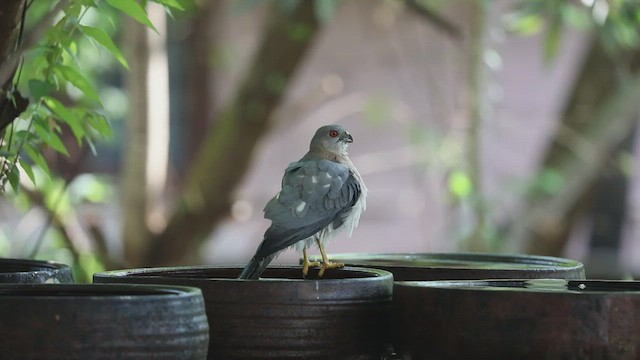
x: 256, y: 267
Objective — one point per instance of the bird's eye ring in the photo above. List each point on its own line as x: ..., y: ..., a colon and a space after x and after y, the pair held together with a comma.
x: 333, y: 133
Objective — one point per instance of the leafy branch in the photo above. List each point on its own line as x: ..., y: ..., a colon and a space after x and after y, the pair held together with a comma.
x: 55, y: 73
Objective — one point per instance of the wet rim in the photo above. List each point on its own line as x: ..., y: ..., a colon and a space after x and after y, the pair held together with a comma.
x: 95, y: 291
x: 200, y: 273
x: 551, y: 286
x: 12, y: 266
x: 445, y: 260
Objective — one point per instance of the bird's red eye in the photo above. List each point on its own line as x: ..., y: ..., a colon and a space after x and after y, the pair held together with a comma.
x: 333, y: 133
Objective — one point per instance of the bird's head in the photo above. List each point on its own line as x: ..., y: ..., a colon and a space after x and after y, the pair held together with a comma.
x: 331, y: 138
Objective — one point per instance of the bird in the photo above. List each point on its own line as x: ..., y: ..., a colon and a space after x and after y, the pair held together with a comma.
x: 322, y: 194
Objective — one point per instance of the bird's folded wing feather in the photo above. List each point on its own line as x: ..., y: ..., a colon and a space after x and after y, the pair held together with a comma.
x: 314, y: 194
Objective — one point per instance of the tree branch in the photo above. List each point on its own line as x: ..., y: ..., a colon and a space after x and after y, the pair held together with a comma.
x: 10, y: 27
x: 434, y: 19
x: 477, y: 101
x: 9, y: 63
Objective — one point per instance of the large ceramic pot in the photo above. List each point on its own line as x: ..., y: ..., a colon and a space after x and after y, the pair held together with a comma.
x: 282, y: 316
x: 34, y: 272
x: 517, y: 319
x: 115, y: 322
x: 465, y: 266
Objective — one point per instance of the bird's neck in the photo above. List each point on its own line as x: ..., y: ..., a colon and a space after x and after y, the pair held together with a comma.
x: 341, y: 158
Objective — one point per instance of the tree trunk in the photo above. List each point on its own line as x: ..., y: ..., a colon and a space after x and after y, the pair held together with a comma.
x: 200, y: 70
x: 135, y: 234
x: 10, y: 22
x: 599, y: 115
x: 228, y: 147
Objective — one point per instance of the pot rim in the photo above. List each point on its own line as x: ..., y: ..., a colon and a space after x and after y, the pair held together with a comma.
x: 538, y: 286
x: 373, y: 285
x: 96, y: 292
x: 535, y: 262
x: 171, y: 271
x: 37, y: 265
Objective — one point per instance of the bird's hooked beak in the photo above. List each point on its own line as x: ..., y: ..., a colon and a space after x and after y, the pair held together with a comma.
x: 346, y: 137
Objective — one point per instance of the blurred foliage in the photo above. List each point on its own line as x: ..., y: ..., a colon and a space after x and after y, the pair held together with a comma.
x: 60, y: 74
x: 549, y: 181
x: 378, y: 109
x: 616, y: 22
x: 56, y: 203
x: 460, y: 185
x: 63, y: 200
x: 62, y: 91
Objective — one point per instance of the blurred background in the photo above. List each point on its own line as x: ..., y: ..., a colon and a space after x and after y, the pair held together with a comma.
x: 496, y: 126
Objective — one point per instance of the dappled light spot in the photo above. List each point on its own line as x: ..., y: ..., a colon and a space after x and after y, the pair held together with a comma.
x: 241, y: 210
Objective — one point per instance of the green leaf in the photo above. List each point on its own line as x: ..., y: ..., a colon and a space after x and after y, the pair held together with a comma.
x: 66, y: 115
x: 56, y: 143
x: 14, y: 178
x: 552, y: 40
x: 134, y: 10
x: 103, y: 39
x: 39, y: 88
x: 60, y: 110
x: 576, y: 16
x: 76, y: 126
x: 37, y: 158
x: 79, y: 81
x: 27, y: 170
x: 71, y: 52
x: 460, y: 185
x: 52, y: 139
x: 324, y: 9
x: 73, y: 10
x: 550, y: 181
x: 525, y: 25
x: 171, y: 3
x: 100, y: 124
x: 23, y: 136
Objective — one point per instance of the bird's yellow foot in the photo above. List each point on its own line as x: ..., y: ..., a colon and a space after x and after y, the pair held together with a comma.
x: 329, y: 265
x: 306, y: 264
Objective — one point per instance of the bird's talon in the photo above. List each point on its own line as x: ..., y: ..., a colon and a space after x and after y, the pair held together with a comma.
x: 329, y: 265
x: 308, y: 264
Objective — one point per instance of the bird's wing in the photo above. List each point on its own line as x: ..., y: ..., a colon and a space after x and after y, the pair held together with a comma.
x: 314, y: 194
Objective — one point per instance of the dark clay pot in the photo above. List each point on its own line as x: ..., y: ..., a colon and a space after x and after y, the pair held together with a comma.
x: 341, y: 316
x: 116, y: 322
x: 465, y: 266
x: 34, y: 272
x: 517, y: 319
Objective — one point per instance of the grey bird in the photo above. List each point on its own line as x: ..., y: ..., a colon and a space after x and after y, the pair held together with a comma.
x: 322, y: 193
